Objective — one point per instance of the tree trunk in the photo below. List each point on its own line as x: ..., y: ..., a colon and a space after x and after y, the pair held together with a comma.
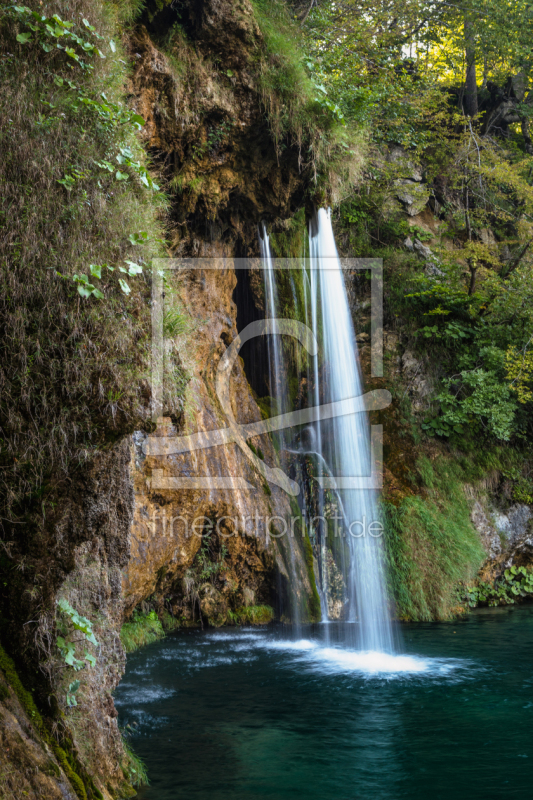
x: 470, y: 82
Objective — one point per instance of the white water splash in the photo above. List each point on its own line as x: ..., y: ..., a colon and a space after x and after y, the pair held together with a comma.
x: 365, y: 663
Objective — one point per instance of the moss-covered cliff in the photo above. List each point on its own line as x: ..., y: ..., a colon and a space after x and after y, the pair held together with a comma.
x: 128, y: 132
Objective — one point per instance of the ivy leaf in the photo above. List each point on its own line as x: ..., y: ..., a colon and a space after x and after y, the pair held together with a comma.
x: 85, y: 291
x: 124, y: 286
x: 91, y: 659
x: 113, y: 46
x: 96, y: 270
x: 137, y: 120
x: 134, y: 269
x: 72, y: 53
x: 121, y: 176
x: 70, y: 658
x: 23, y: 38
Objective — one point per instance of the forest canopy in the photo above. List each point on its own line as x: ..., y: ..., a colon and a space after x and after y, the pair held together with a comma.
x: 443, y: 92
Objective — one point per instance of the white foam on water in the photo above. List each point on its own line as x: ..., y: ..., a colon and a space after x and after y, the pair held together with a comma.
x: 302, y: 645
x: 239, y: 635
x: 365, y: 663
x: 133, y: 695
x: 370, y: 662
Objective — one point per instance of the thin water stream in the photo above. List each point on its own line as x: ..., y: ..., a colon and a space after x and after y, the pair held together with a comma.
x: 246, y: 714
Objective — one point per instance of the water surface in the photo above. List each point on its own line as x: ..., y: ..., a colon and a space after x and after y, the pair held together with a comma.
x: 249, y: 713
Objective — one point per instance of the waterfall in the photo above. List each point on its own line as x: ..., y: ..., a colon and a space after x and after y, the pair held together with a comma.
x: 337, y: 447
x: 345, y: 441
x: 279, y: 393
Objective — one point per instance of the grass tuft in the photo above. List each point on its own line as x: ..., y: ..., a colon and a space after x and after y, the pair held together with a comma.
x: 134, y: 767
x: 142, y: 630
x: 251, y: 615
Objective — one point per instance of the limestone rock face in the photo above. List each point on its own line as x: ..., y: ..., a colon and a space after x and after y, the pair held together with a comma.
x: 169, y: 522
x: 410, y: 190
x: 507, y: 537
x: 487, y: 531
x: 28, y: 768
x: 418, y: 384
x: 208, y: 133
x: 206, y: 126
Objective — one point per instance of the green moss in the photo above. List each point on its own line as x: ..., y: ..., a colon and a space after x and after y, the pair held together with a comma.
x: 256, y: 451
x: 169, y: 622
x: 26, y: 700
x: 74, y: 779
x: 432, y: 546
x: 313, y: 602
x: 142, y: 630
x: 251, y: 615
x: 4, y: 692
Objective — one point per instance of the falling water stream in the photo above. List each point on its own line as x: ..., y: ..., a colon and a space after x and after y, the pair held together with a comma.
x: 341, y: 446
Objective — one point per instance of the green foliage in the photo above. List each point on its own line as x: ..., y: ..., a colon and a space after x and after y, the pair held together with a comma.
x: 68, y: 648
x: 206, y: 566
x: 134, y: 767
x: 432, y: 546
x: 142, y: 630
x: 516, y: 583
x: 485, y: 403
x: 250, y: 615
x: 297, y: 105
x: 50, y: 32
x: 77, y: 243
x: 71, y: 694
